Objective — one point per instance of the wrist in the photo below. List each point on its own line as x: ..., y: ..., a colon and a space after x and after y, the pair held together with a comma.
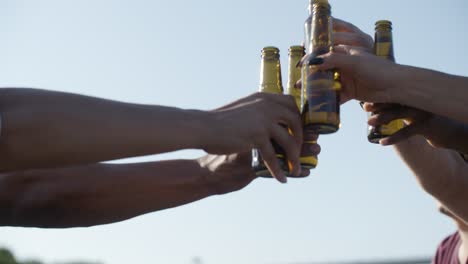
x: 199, y: 127
x: 395, y: 92
x: 205, y: 174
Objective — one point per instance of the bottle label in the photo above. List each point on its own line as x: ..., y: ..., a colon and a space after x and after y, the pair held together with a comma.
x: 307, y: 158
x: 392, y: 127
x: 309, y: 162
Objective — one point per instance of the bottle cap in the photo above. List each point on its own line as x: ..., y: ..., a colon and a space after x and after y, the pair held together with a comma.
x: 297, y: 49
x: 383, y: 24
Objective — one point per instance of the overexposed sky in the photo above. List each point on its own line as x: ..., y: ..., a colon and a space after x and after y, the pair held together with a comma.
x: 361, y: 203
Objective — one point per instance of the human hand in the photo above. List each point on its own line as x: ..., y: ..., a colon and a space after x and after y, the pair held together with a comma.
x: 364, y: 76
x: 253, y: 122
x: 227, y: 173
x: 347, y: 34
x: 440, y: 132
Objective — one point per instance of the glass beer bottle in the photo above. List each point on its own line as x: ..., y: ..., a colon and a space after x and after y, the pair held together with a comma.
x: 270, y: 82
x: 383, y: 47
x: 296, y: 53
x: 320, y: 89
x: 308, y: 26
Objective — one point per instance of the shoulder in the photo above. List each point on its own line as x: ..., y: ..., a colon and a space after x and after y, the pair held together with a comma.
x: 446, y: 249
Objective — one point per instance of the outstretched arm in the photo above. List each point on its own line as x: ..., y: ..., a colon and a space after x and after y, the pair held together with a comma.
x: 46, y: 129
x: 43, y: 129
x: 369, y: 78
x: 106, y: 193
x: 442, y: 173
x: 373, y: 79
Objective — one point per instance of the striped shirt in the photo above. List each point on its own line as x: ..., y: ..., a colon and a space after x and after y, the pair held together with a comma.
x: 447, y: 253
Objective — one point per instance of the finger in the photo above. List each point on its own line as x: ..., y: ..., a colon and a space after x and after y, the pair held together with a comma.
x: 301, y: 62
x: 336, y: 60
x: 271, y: 162
x: 340, y: 25
x: 353, y: 39
x: 293, y: 121
x: 381, y: 107
x: 350, y: 50
x: 344, y: 94
x: 402, y: 135
x: 305, y: 173
x: 383, y: 118
x: 314, y: 61
x: 281, y: 136
x: 298, y: 84
x: 244, y: 158
x: 309, y: 60
x: 309, y: 137
x: 310, y: 149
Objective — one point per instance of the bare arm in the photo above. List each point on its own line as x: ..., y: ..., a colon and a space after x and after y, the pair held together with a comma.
x: 441, y: 172
x: 436, y: 92
x: 104, y: 193
x: 373, y: 79
x: 440, y: 132
x: 52, y: 129
x: 46, y: 129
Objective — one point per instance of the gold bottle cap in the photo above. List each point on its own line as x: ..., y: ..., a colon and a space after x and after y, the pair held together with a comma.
x: 319, y: 2
x: 270, y: 51
x: 296, y: 49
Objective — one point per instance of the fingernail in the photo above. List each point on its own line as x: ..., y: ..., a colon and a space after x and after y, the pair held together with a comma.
x: 283, y: 179
x: 299, y: 171
x: 299, y: 64
x: 372, y: 121
x: 384, y: 142
x: 298, y: 84
x: 305, y: 173
x: 316, y: 61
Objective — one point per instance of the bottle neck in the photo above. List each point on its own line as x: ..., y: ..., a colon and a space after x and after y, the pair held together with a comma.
x: 294, y: 73
x: 270, y: 75
x: 383, y: 46
x: 321, y: 31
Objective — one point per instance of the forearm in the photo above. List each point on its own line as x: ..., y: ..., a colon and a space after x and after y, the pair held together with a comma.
x: 442, y: 173
x: 42, y: 129
x: 98, y: 194
x: 432, y: 91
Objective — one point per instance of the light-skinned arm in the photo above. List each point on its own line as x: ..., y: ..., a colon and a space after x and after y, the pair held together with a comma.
x: 372, y: 79
x: 440, y: 132
x: 441, y: 172
x: 47, y: 129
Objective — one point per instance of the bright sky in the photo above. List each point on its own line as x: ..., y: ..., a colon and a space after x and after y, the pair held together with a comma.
x: 361, y: 203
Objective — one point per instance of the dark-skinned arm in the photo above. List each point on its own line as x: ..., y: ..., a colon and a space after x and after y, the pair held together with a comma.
x: 106, y: 193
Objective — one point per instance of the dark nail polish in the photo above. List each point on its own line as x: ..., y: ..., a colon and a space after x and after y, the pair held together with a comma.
x: 316, y: 61
x: 298, y: 84
x: 299, y: 64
